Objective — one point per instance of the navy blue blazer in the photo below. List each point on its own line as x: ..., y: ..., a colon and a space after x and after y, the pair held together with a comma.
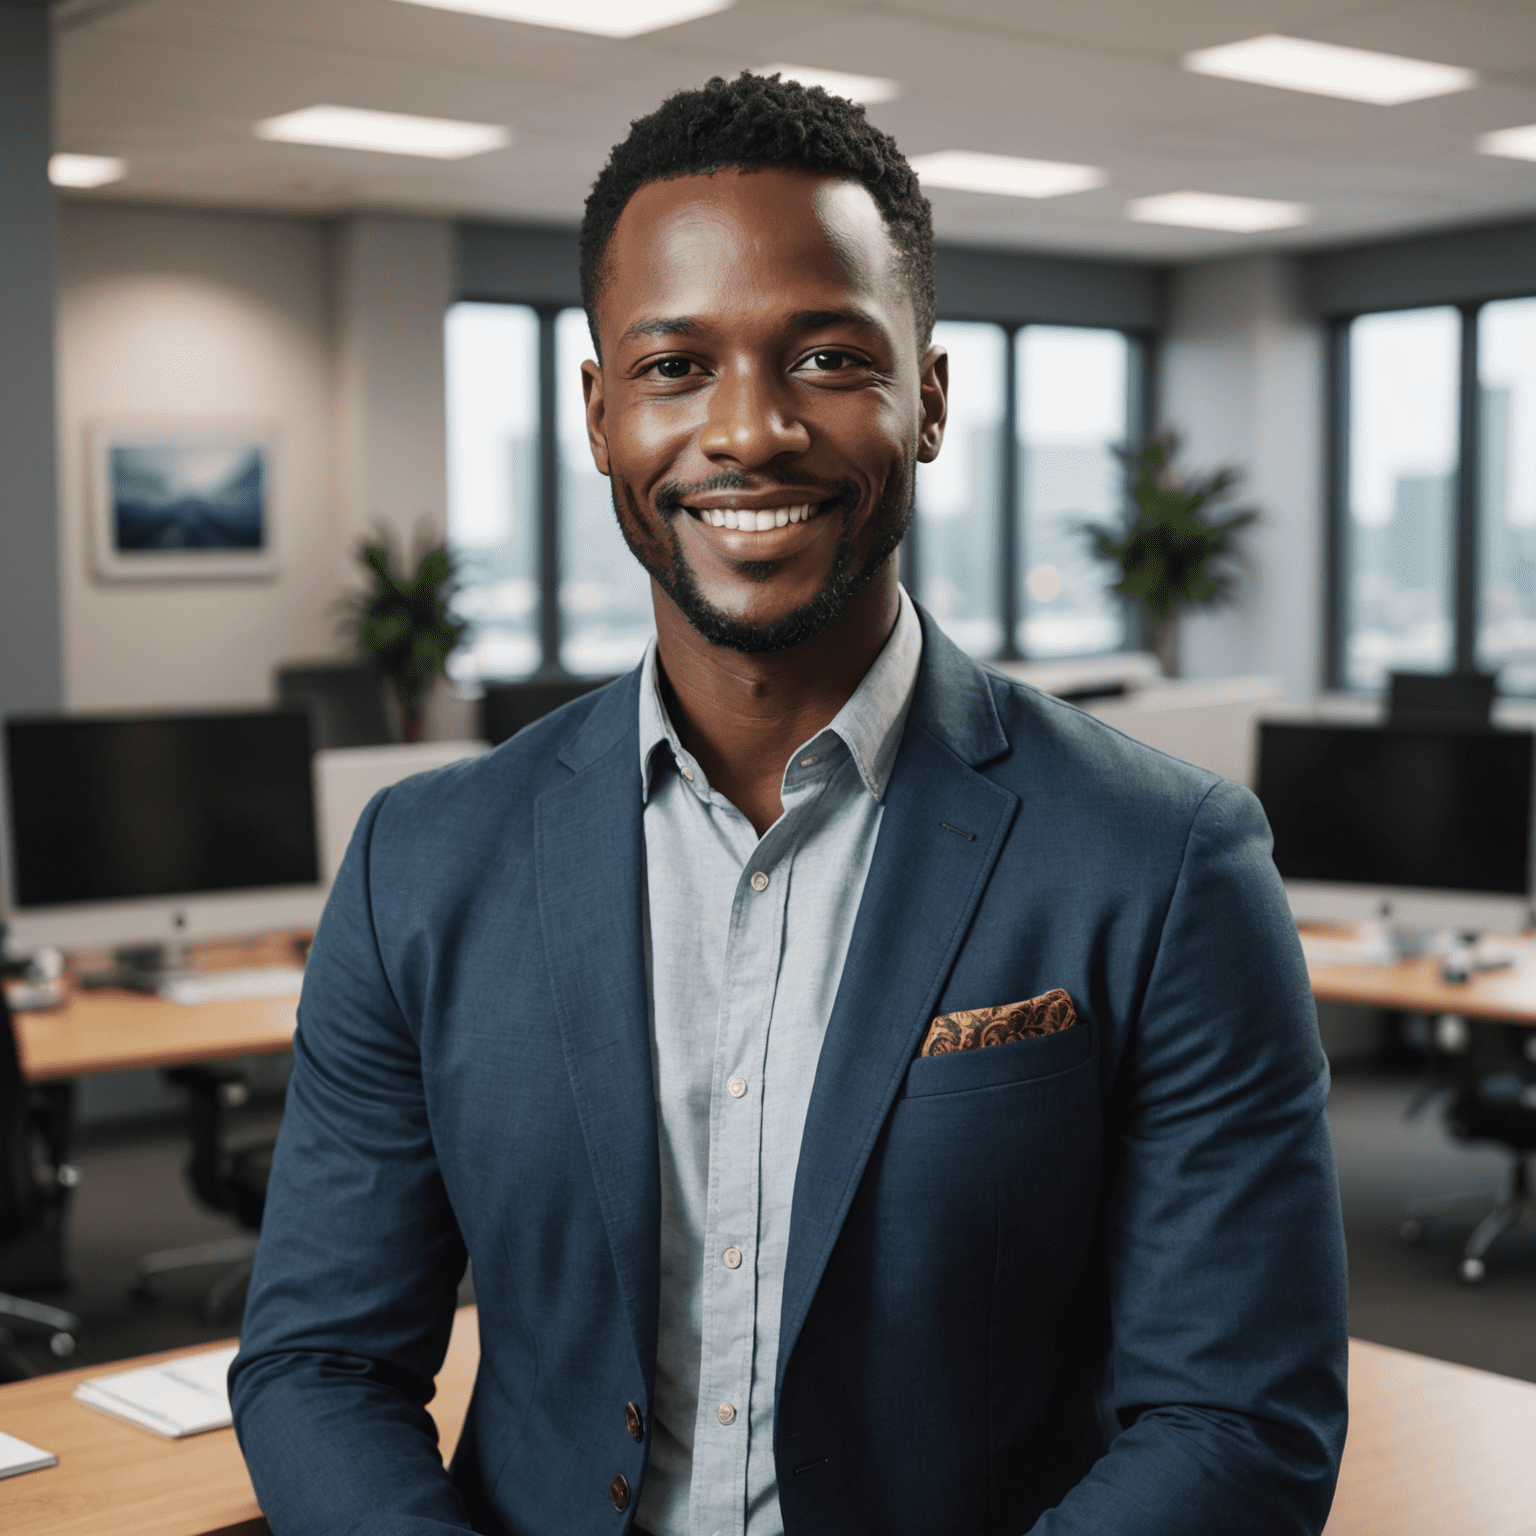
x: 1090, y: 1283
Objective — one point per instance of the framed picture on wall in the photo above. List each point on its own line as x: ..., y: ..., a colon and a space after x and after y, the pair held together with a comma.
x: 189, y: 500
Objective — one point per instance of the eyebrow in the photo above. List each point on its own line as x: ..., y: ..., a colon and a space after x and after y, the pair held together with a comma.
x: 805, y: 320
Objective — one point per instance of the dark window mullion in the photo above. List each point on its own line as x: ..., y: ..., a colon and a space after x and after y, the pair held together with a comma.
x: 1010, y: 500
x: 549, y: 499
x: 1336, y: 501
x: 1468, y: 465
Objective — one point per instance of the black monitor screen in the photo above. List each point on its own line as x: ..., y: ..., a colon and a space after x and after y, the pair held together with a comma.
x: 1441, y: 810
x: 107, y: 808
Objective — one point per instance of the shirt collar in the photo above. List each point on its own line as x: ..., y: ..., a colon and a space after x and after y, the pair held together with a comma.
x: 869, y: 724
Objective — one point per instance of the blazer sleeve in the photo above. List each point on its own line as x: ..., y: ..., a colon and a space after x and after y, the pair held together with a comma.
x: 351, y: 1302
x: 1226, y: 1389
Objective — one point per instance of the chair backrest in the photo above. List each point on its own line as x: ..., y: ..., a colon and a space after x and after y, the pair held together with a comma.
x: 1455, y: 700
x: 508, y: 707
x: 21, y: 1195
x: 345, y: 701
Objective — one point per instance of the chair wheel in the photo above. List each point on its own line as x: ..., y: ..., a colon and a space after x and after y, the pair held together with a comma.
x: 1473, y: 1270
x: 1412, y: 1230
x: 62, y: 1345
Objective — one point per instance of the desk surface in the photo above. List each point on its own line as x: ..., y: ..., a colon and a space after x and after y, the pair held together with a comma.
x: 113, y: 1477
x: 1415, y: 987
x: 113, y: 1031
x: 1434, y: 1449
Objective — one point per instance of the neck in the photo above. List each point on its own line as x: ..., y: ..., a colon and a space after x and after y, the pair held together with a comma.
x: 741, y: 715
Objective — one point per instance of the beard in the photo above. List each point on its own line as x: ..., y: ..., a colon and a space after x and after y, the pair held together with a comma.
x: 663, y: 559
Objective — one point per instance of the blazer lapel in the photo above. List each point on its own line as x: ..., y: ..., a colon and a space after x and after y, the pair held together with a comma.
x: 589, y: 852
x: 924, y: 883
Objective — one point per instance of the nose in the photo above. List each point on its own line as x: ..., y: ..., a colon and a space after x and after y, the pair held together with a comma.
x: 752, y: 419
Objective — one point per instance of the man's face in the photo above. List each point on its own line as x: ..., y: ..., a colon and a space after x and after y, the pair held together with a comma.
x: 761, y: 402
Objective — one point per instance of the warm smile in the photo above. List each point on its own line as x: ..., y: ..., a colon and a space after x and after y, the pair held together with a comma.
x: 757, y: 519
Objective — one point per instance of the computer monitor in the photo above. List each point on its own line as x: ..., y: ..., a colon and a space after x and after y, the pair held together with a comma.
x: 1427, y: 829
x: 158, y: 829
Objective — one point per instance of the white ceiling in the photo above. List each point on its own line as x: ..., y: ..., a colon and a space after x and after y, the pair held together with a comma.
x: 173, y: 86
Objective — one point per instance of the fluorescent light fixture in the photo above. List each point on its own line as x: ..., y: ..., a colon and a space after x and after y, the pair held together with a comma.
x: 1212, y: 210
x: 868, y: 89
x: 605, y: 18
x: 85, y: 170
x: 389, y: 133
x: 1005, y: 175
x: 1512, y: 143
x: 1325, y: 69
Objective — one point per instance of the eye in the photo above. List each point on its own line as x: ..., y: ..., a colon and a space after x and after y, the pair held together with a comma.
x: 672, y: 368
x: 830, y: 362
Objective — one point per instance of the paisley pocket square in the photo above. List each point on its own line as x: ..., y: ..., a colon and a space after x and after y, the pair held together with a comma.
x: 974, y: 1028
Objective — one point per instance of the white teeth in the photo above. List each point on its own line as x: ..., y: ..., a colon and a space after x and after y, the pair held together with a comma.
x: 781, y: 517
x: 794, y: 514
x: 731, y: 520
x: 717, y: 517
x: 750, y: 521
x: 764, y: 521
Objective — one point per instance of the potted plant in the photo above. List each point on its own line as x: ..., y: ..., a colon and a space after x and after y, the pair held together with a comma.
x: 1174, y: 555
x: 402, y: 625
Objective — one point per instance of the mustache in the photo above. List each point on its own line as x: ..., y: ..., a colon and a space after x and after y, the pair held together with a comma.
x: 672, y: 497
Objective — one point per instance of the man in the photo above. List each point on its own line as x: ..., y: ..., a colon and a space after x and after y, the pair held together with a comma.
x: 875, y: 1097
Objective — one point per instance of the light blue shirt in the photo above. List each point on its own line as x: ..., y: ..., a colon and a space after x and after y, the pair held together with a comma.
x: 745, y: 943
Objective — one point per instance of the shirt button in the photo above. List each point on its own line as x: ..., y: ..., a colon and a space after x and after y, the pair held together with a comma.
x: 618, y: 1491
x: 732, y: 1258
x: 633, y: 1422
x: 725, y: 1413
x: 759, y: 881
x: 736, y: 1087
x: 687, y: 772
x: 806, y: 762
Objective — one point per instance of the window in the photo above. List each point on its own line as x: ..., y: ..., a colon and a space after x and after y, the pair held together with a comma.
x: 491, y: 363
x: 1506, y: 603
x: 1403, y: 431
x: 1434, y: 494
x: 997, y: 555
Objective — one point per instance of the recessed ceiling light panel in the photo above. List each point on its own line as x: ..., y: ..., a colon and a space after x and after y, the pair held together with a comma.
x: 390, y: 133
x: 868, y: 89
x: 1511, y: 143
x: 1005, y: 175
x: 85, y: 170
x: 1356, y: 74
x: 1212, y: 210
x: 605, y: 18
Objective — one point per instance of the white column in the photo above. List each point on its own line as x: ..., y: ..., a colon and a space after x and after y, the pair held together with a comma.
x: 1242, y: 381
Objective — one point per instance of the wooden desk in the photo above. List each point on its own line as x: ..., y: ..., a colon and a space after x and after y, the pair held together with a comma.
x: 1434, y: 1449
x: 1414, y: 986
x: 115, y: 1031
x: 114, y: 1478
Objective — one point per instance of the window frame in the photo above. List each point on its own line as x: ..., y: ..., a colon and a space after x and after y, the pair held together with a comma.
x: 1466, y: 543
x: 1140, y: 415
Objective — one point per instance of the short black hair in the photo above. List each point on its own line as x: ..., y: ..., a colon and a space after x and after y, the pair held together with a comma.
x: 756, y: 122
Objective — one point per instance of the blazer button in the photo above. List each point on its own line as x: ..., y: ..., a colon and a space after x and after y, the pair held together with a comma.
x: 633, y: 1422
x: 618, y: 1491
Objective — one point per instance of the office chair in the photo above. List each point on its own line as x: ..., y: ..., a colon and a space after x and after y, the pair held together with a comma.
x: 1442, y: 700
x: 233, y: 1182
x: 508, y: 707
x: 1492, y: 1098
x: 34, y: 1192
x: 345, y: 701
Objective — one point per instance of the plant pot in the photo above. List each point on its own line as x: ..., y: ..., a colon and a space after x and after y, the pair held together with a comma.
x: 1164, y: 634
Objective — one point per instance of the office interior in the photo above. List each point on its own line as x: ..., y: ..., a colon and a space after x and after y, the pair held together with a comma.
x: 357, y: 304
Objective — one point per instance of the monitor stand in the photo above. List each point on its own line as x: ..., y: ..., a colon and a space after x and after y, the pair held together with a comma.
x: 139, y: 967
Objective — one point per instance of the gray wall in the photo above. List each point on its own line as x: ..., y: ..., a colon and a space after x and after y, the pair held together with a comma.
x: 529, y: 265
x: 31, y: 665
x: 1461, y: 267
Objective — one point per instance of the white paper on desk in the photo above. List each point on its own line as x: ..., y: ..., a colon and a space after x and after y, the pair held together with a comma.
x: 181, y: 1397
x: 17, y: 1456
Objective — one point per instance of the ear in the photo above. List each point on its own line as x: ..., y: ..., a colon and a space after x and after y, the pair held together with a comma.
x: 933, y: 397
x: 597, y: 414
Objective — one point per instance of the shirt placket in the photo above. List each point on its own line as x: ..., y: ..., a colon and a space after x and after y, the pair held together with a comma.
x: 731, y: 1282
